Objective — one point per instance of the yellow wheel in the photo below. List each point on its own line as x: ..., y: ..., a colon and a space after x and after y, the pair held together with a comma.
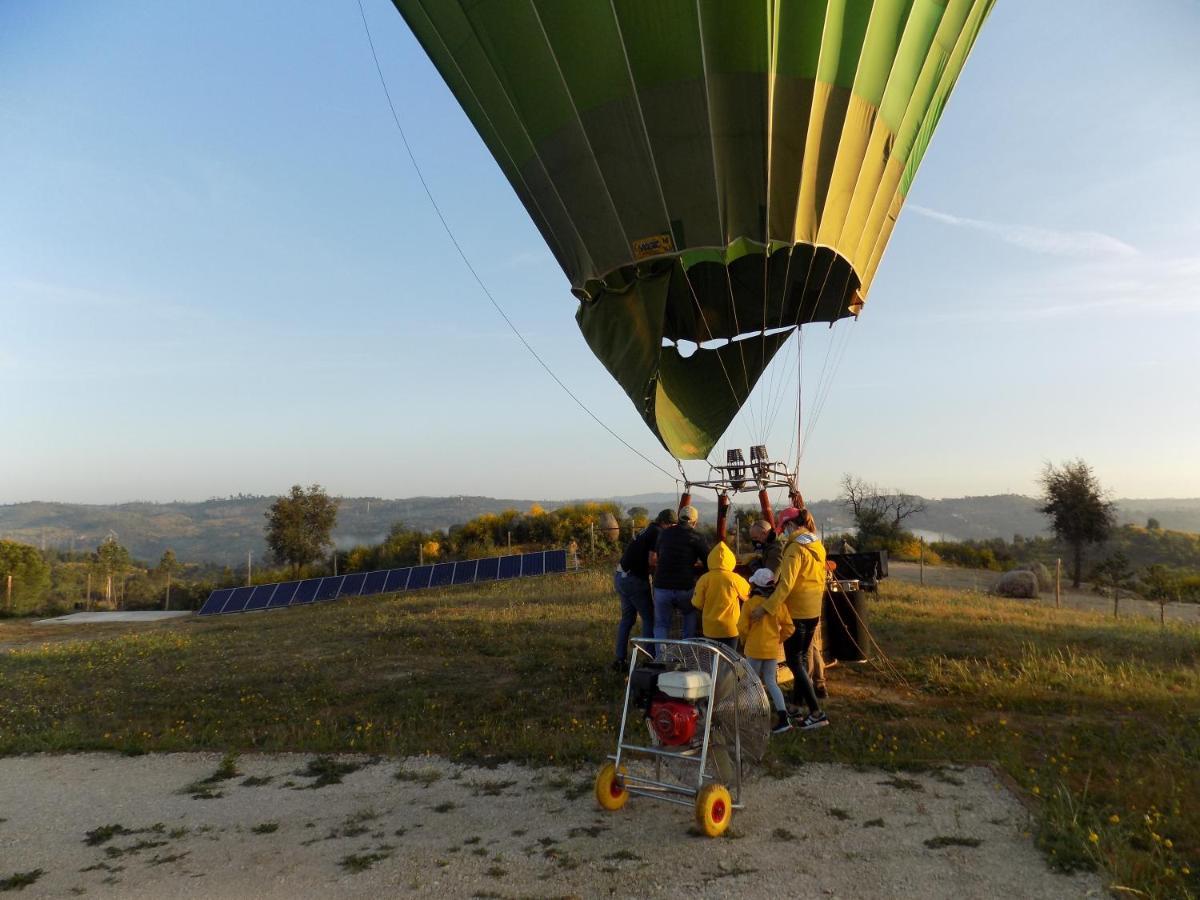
x: 714, y: 809
x: 610, y: 787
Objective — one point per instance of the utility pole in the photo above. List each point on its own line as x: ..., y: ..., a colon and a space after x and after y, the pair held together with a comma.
x: 249, y: 572
x: 510, y: 542
x: 88, y: 602
x: 922, y: 562
x: 8, y: 604
x: 167, y: 604
x: 592, y: 535
x: 335, y: 561
x: 1058, y: 584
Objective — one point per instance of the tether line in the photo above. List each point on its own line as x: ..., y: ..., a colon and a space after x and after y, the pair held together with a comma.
x: 467, y: 262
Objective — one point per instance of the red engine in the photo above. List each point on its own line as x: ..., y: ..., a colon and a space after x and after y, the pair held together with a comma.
x: 674, y: 721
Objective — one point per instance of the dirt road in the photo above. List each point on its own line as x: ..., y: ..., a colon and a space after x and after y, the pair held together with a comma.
x: 982, y: 581
x: 110, y: 826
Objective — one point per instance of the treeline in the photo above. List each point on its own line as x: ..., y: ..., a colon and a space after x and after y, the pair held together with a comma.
x: 494, y: 534
x: 54, y: 581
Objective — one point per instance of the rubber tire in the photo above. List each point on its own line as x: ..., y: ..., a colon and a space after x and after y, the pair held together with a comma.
x: 714, y: 809
x: 610, y: 793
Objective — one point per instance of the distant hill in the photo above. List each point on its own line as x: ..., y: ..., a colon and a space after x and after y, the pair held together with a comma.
x: 224, y: 530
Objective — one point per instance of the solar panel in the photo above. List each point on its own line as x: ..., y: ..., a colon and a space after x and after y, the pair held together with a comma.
x: 237, y: 600
x: 284, y: 595
x: 556, y: 561
x: 533, y: 564
x: 307, y: 592
x: 357, y: 584
x: 353, y: 584
x: 397, y: 580
x: 419, y: 577
x: 374, y: 582
x: 215, y: 601
x: 261, y: 596
x: 329, y: 587
x: 442, y: 574
x: 510, y: 567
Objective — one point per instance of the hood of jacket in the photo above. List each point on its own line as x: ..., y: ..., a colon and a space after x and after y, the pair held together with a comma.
x: 721, y: 558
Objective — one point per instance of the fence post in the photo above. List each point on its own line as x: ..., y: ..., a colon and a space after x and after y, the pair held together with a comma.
x: 592, y: 536
x: 8, y: 604
x: 1058, y: 584
x: 922, y: 562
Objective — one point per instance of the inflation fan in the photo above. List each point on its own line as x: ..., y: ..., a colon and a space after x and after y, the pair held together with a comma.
x: 707, y: 721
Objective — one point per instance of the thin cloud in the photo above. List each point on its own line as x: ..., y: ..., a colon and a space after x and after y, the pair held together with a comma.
x: 1121, y: 286
x: 1037, y: 239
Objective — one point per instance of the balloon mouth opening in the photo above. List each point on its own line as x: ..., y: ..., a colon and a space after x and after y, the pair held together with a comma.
x: 687, y: 349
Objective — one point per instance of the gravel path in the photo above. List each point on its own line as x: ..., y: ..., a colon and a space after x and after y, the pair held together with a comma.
x: 452, y: 831
x: 982, y: 581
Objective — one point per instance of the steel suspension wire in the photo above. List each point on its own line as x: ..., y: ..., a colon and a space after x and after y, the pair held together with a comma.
x: 467, y: 262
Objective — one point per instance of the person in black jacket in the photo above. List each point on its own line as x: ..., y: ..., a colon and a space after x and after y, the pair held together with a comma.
x: 680, y: 557
x: 632, y: 581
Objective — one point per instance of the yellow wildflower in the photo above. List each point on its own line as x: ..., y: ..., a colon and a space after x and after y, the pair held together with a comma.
x: 1094, y: 838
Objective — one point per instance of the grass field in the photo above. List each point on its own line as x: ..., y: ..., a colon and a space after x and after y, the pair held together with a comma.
x: 1096, y: 722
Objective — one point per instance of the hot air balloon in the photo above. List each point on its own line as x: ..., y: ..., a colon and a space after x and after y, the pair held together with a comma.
x: 710, y: 174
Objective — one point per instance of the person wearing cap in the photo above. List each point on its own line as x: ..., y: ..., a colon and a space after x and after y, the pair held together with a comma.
x: 632, y: 581
x: 800, y: 586
x: 768, y: 549
x: 679, y: 558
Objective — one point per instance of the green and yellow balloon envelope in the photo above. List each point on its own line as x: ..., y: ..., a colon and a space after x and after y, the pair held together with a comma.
x: 704, y: 170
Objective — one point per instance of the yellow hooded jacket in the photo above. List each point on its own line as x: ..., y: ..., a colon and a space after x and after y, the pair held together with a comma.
x: 800, y: 583
x: 764, y: 636
x: 718, y: 593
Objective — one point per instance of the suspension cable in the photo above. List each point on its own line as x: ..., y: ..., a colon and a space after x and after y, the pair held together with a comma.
x: 467, y: 262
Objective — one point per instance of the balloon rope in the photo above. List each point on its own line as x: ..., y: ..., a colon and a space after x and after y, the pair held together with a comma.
x: 467, y: 262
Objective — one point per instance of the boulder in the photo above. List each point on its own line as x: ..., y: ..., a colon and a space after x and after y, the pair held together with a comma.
x: 1019, y: 583
x: 1045, y: 578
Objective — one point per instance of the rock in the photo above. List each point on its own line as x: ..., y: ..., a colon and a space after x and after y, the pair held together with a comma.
x: 1018, y: 583
x: 1045, y: 578
x: 610, y: 527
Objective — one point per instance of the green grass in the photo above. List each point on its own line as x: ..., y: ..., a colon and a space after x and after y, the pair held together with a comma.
x: 1097, y: 722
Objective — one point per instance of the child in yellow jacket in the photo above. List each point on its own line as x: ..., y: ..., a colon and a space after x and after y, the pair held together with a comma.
x: 719, y: 595
x: 763, y: 636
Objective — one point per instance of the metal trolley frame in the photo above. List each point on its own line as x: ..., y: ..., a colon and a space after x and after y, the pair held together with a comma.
x: 722, y: 656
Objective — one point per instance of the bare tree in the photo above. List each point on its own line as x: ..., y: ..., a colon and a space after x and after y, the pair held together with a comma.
x: 878, y: 514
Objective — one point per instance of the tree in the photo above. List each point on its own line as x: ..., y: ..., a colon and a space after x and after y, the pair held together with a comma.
x: 299, y: 525
x: 1152, y: 524
x: 879, y: 515
x: 1162, y: 586
x: 113, y: 560
x: 30, y: 577
x: 640, y: 516
x: 1080, y: 512
x: 167, y: 567
x: 1114, y: 573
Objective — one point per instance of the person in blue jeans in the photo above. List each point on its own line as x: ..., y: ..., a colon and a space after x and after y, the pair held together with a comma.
x: 680, y: 557
x: 632, y: 583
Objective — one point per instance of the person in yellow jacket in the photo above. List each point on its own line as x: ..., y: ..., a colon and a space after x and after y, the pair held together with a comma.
x: 800, y: 588
x: 763, y: 636
x: 719, y: 595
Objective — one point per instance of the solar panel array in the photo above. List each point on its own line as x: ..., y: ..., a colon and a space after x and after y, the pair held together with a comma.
x: 383, y: 581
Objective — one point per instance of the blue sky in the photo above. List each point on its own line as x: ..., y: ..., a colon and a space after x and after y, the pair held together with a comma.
x: 219, y: 272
